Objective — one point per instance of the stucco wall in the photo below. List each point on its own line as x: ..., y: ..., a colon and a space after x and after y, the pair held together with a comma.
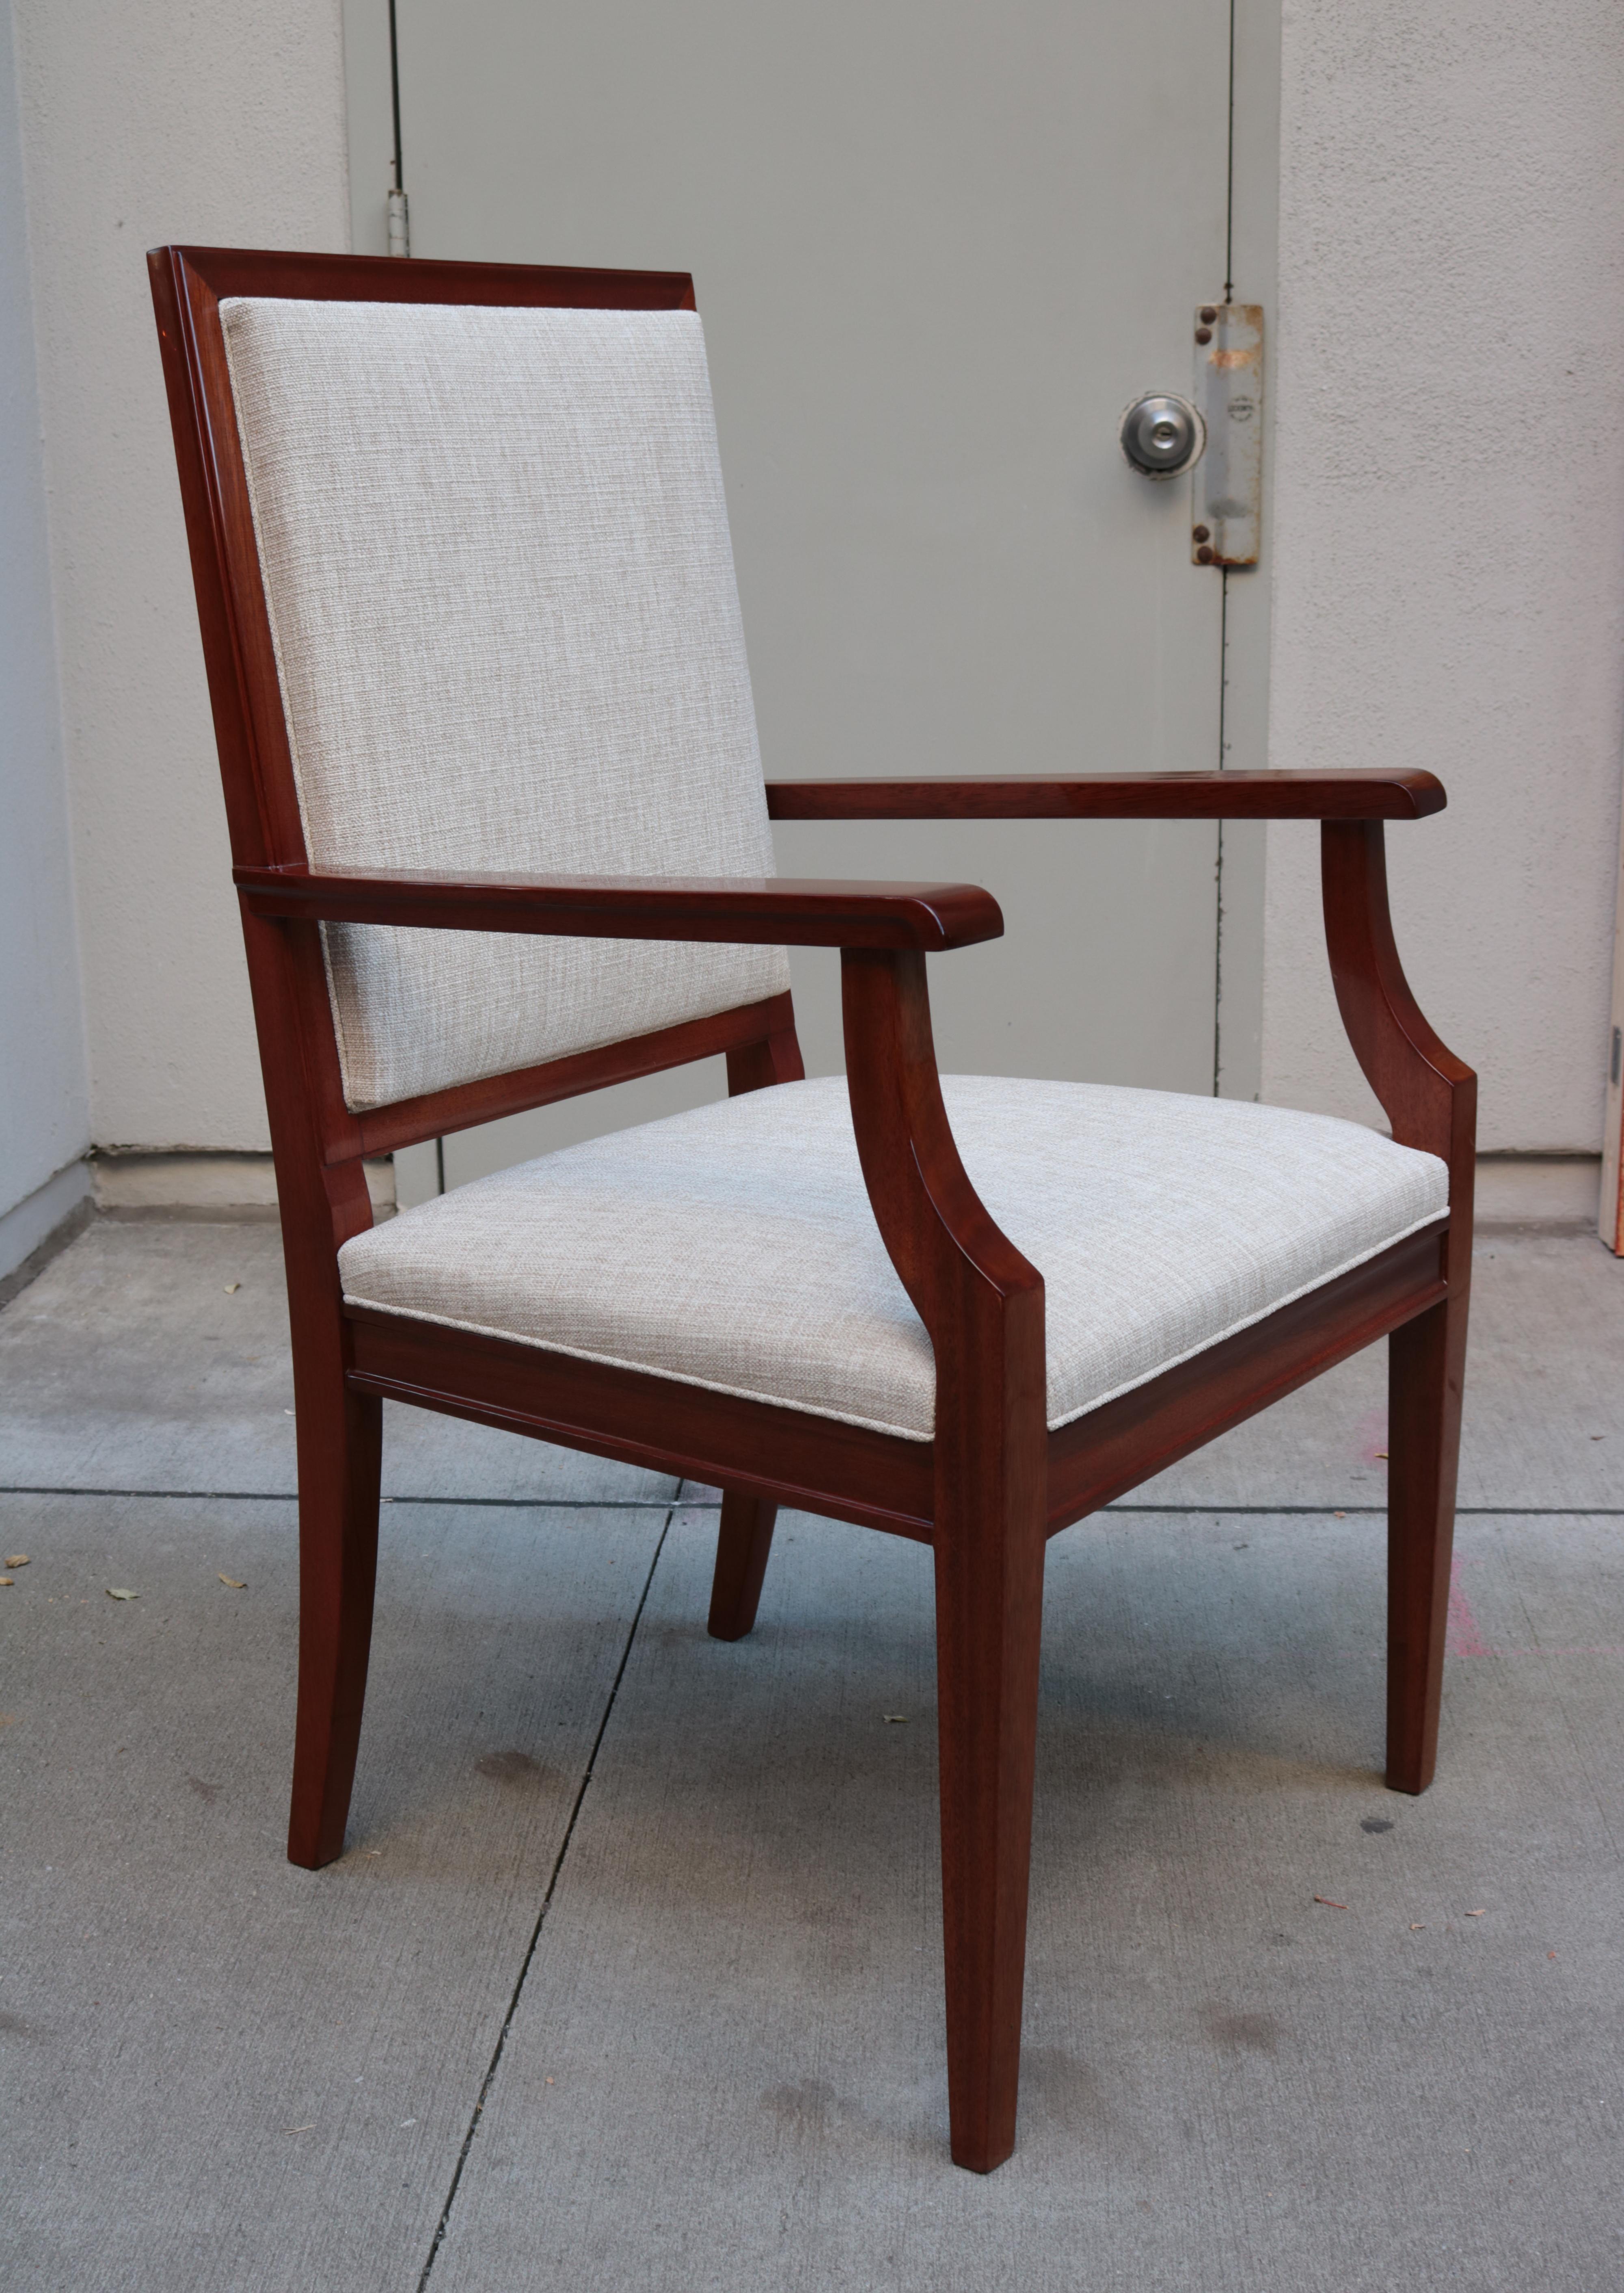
x: 143, y: 121
x: 1449, y: 566
x: 45, y: 1118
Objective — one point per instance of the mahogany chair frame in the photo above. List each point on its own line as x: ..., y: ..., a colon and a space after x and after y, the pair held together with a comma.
x: 994, y: 1483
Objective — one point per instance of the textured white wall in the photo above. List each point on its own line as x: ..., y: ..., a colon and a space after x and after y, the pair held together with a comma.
x: 45, y: 1118
x: 1449, y: 570
x: 145, y: 121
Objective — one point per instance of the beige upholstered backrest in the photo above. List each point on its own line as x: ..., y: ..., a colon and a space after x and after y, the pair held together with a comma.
x: 496, y: 555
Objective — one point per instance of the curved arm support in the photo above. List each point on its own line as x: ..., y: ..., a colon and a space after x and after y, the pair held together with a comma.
x: 939, y: 1233
x: 1430, y: 1097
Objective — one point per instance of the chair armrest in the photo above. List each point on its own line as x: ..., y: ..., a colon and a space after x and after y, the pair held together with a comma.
x: 1373, y: 795
x: 770, y: 910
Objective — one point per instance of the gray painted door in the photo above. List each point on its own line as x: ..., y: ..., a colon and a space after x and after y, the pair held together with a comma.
x: 937, y: 248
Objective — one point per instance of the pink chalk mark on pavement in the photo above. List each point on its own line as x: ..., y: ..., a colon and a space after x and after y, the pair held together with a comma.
x: 1462, y: 1635
x: 1370, y: 1437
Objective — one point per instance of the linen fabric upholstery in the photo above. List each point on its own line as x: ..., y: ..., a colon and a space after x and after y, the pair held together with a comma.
x: 734, y: 1248
x: 496, y: 557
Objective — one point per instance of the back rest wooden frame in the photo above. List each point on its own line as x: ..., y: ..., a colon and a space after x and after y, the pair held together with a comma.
x: 245, y: 690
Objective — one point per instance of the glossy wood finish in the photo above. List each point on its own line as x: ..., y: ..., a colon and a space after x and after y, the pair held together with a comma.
x: 815, y: 1464
x: 983, y: 1306
x: 743, y: 1033
x: 1101, y: 1456
x: 993, y: 1483
x: 1372, y: 795
x: 797, y: 912
x: 340, y: 1444
x: 773, y: 1056
x: 1430, y: 1098
x: 744, y: 1534
x: 744, y: 1540
x: 338, y: 1429
x: 364, y: 278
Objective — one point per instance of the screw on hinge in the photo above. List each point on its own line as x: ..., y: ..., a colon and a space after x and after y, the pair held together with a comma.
x: 399, y: 227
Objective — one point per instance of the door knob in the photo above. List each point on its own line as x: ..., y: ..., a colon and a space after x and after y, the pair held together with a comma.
x: 1163, y: 435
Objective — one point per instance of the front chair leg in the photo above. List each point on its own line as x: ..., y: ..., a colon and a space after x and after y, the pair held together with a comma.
x: 340, y: 1436
x: 742, y: 1544
x: 988, y: 1627
x: 1425, y: 1361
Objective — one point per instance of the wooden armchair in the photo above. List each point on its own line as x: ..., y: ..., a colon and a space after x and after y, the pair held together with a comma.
x: 500, y: 835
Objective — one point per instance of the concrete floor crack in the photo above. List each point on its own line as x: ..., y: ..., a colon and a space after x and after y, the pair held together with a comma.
x: 444, y: 2224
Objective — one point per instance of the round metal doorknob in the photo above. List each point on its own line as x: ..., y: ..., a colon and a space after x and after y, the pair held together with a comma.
x: 1163, y: 435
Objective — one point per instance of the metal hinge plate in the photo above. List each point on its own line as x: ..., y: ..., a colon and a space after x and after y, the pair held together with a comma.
x: 1227, y: 529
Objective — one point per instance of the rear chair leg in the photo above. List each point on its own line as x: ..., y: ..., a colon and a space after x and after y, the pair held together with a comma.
x: 340, y: 1452
x: 1425, y: 1362
x: 743, y: 1544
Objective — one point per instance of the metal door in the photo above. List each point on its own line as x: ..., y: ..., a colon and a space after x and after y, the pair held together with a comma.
x: 937, y: 248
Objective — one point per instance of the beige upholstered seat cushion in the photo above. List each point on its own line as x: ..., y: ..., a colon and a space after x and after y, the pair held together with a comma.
x: 496, y: 557
x: 734, y: 1247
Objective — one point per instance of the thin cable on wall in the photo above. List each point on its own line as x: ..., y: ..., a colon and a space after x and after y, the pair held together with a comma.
x: 399, y: 221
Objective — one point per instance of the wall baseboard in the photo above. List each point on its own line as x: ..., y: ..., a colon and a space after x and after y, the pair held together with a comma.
x: 207, y: 1186
x: 1556, y: 1193
x: 33, y: 1231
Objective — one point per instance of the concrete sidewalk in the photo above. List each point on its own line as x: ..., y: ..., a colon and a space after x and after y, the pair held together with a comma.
x: 629, y: 1977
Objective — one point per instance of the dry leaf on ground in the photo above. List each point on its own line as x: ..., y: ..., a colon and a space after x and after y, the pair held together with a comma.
x: 895, y: 1719
x: 237, y: 1583
x: 7, y: 1580
x: 232, y: 1286
x: 16, y: 1560
x: 1330, y: 1903
x: 119, y: 1592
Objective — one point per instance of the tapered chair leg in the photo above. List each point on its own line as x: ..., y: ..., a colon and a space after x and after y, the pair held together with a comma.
x: 1426, y: 1360
x: 340, y: 1452
x: 743, y: 1542
x: 988, y: 1627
